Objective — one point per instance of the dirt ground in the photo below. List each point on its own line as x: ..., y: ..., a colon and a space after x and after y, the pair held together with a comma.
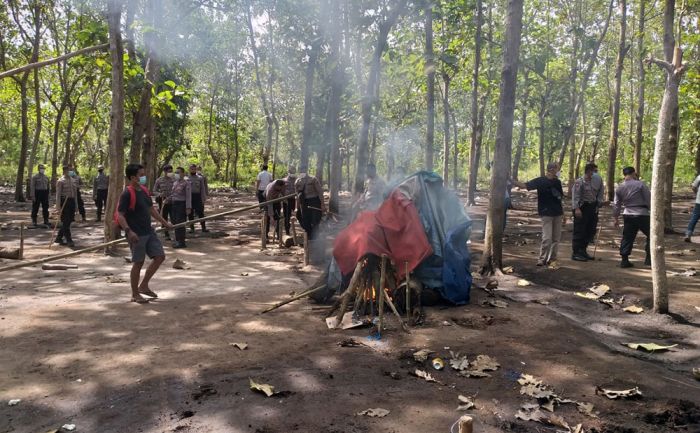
x: 75, y: 351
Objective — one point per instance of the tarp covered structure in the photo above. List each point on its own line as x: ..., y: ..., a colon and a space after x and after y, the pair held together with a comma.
x: 420, y: 223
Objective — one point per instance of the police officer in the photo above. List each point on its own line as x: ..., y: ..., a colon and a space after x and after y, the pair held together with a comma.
x: 78, y: 181
x: 39, y: 195
x: 163, y: 189
x: 634, y: 196
x: 586, y: 199
x: 289, y: 205
x: 66, y: 193
x: 199, y: 196
x: 310, y: 204
x: 181, y: 202
x: 100, y: 187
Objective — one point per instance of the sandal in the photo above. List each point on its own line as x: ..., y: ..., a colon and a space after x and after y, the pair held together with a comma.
x: 148, y: 292
x: 140, y: 300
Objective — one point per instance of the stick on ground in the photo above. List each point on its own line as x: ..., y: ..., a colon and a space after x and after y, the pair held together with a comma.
x: 290, y: 300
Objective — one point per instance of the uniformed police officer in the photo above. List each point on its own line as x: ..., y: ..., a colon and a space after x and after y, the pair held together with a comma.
x: 39, y: 195
x: 163, y: 189
x: 66, y: 193
x: 634, y: 197
x: 100, y: 186
x: 586, y: 199
x: 199, y: 196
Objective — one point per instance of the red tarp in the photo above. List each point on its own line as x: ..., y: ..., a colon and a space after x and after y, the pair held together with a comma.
x: 394, y: 229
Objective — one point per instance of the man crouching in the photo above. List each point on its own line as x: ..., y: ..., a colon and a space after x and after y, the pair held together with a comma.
x: 134, y: 215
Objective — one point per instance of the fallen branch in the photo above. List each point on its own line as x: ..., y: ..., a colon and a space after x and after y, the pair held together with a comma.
x: 43, y: 63
x: 124, y: 240
x: 297, y: 297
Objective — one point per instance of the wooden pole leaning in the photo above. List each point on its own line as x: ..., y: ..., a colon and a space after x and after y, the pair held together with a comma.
x: 382, y: 293
x: 21, y: 241
x: 125, y: 240
x: 58, y: 220
x: 352, y: 288
x: 408, y: 295
x: 294, y: 298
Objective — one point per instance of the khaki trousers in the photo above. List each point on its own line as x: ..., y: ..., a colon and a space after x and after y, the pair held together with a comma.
x: 551, y: 235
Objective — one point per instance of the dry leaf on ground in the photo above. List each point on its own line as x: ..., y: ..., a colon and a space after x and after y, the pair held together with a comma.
x: 480, y: 366
x: 459, y: 363
x: 633, y: 309
x: 241, y: 346
x: 465, y: 403
x: 600, y: 290
x: 649, y: 347
x: 613, y: 394
x: 426, y: 376
x: 374, y: 413
x: 696, y: 373
x: 586, y: 409
x: 266, y: 389
x: 524, y: 283
x: 508, y: 270
x: 422, y: 355
x: 180, y: 264
x: 496, y: 303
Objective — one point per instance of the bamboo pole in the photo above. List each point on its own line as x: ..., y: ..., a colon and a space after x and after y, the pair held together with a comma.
x: 352, y: 287
x: 21, y: 241
x: 408, y: 295
x: 43, y: 63
x: 306, y: 249
x: 124, y: 240
x: 382, y: 293
x: 396, y: 312
x: 263, y: 232
x: 290, y: 300
x: 294, y: 231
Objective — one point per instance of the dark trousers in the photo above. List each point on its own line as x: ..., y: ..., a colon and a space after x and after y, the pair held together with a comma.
x: 41, y: 197
x: 288, y: 207
x: 197, y: 208
x: 276, y: 215
x: 693, y: 220
x: 261, y: 197
x: 585, y: 227
x: 81, y: 205
x: 100, y: 202
x: 633, y: 224
x: 178, y: 214
x: 166, y: 212
x: 310, y: 218
x: 66, y: 219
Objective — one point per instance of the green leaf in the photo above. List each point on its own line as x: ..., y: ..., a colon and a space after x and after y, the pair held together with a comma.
x: 170, y: 83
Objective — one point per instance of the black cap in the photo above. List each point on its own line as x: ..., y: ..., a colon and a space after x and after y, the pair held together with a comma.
x: 627, y: 171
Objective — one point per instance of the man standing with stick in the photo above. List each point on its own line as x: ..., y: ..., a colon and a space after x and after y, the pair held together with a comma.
x: 39, y: 195
x: 634, y: 196
x: 163, y: 189
x: 135, y: 212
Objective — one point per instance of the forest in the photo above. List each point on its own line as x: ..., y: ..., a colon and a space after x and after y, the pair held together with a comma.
x: 335, y: 84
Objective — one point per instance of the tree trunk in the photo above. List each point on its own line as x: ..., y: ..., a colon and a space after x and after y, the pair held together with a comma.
x: 473, y: 160
x: 67, y: 155
x: 493, y: 244
x: 430, y: 97
x: 584, y: 141
x: 615, y: 123
x: 368, y: 101
x: 640, y: 90
x: 455, y: 153
x: 307, y: 128
x: 19, y: 183
x: 523, y: 128
x: 542, y: 115
x: 116, y: 115
x: 333, y: 113
x: 674, y: 130
x: 446, y: 130
x: 662, y: 169
x: 259, y: 86
x: 37, y: 125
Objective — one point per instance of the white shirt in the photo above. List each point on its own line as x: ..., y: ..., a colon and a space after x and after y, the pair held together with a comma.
x: 696, y: 185
x: 265, y: 178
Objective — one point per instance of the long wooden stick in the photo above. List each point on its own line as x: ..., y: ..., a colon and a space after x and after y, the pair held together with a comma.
x: 58, y: 219
x: 21, y: 241
x: 382, y: 293
x: 43, y: 63
x: 396, y: 312
x: 408, y: 295
x: 352, y: 288
x: 290, y: 300
x: 124, y: 240
x: 595, y: 245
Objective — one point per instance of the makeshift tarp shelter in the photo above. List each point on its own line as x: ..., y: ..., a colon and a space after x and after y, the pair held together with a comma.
x: 420, y: 224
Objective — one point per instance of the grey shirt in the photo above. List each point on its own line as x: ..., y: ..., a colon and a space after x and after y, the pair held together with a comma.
x: 66, y: 187
x: 634, y: 196
x: 182, y: 191
x: 163, y: 187
x: 587, y: 191
x: 101, y: 182
x: 40, y: 182
x: 198, y: 186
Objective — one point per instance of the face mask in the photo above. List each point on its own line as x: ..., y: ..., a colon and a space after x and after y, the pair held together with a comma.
x: 168, y: 174
x: 71, y: 173
x: 559, y: 174
x: 176, y: 176
x: 41, y: 170
x: 142, y: 180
